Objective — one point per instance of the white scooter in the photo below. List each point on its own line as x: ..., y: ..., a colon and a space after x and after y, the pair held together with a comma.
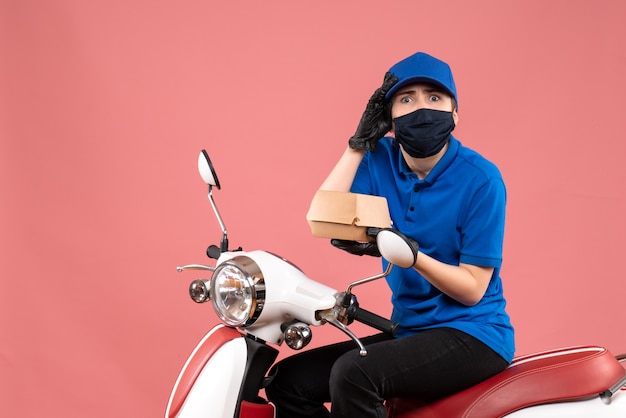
x: 264, y: 300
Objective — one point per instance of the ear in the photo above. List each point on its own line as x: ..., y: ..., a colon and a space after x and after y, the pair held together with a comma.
x: 455, y: 116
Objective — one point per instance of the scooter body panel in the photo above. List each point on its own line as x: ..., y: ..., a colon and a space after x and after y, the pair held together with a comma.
x: 294, y: 295
x: 209, y: 383
x: 566, y: 377
x: 590, y: 408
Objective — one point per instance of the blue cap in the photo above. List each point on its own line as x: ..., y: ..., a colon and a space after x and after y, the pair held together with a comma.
x: 421, y: 67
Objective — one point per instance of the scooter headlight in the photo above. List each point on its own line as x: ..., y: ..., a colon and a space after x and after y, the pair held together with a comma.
x: 238, y: 291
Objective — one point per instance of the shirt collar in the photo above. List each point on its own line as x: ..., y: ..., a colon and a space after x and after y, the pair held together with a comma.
x: 439, y: 168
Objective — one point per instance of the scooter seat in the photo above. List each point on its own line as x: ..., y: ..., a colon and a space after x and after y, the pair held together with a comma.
x: 559, y: 375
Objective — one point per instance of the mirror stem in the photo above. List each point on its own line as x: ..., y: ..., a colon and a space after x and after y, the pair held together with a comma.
x: 224, y: 241
x: 369, y: 279
x: 224, y: 244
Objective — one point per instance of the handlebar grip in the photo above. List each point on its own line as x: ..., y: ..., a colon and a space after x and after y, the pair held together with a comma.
x: 376, y: 321
x: 213, y: 252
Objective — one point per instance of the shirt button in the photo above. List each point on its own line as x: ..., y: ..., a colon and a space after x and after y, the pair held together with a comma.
x: 416, y: 188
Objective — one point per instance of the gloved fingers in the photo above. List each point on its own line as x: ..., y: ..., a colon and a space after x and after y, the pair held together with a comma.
x: 379, y: 95
x: 356, y: 248
x: 389, y: 81
x: 372, y: 231
x: 342, y: 244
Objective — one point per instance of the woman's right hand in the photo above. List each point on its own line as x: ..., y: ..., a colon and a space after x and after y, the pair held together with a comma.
x: 376, y: 119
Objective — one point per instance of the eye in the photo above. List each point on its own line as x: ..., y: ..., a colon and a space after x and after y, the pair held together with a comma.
x: 406, y: 99
x: 434, y: 98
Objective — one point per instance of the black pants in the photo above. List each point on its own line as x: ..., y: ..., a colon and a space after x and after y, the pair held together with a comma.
x: 429, y: 365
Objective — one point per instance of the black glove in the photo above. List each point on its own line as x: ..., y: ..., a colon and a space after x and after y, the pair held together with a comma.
x: 376, y: 119
x: 359, y: 248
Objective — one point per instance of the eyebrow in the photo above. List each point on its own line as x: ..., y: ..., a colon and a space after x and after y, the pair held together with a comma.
x: 406, y: 91
x: 435, y: 89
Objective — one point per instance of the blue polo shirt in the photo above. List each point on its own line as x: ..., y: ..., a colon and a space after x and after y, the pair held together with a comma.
x: 456, y: 214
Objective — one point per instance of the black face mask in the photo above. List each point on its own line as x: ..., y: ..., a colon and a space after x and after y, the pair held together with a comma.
x: 424, y: 132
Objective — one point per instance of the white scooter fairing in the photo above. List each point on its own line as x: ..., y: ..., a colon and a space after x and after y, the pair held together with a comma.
x: 224, y: 373
x: 221, y: 378
x: 219, y: 353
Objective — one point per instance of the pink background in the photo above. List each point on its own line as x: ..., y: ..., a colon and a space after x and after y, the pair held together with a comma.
x: 105, y: 106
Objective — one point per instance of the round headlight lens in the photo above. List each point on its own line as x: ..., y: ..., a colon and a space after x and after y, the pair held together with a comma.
x: 232, y: 293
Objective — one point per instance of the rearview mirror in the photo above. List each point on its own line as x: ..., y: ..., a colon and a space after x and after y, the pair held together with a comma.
x: 207, y: 172
x: 396, y: 248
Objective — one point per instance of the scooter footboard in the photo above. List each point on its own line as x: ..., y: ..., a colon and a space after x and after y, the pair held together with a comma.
x: 208, y: 385
x: 554, y: 376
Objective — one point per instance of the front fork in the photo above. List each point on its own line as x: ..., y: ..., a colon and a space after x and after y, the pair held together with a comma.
x: 260, y: 358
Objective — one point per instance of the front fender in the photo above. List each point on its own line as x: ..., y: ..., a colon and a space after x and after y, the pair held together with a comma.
x: 209, y: 383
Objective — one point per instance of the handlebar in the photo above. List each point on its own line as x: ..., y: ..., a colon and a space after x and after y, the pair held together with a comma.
x: 376, y: 321
x: 365, y: 317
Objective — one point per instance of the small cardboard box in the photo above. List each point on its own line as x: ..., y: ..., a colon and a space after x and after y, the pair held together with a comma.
x: 345, y: 215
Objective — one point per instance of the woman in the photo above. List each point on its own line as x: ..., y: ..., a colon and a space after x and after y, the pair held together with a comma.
x: 453, y: 328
